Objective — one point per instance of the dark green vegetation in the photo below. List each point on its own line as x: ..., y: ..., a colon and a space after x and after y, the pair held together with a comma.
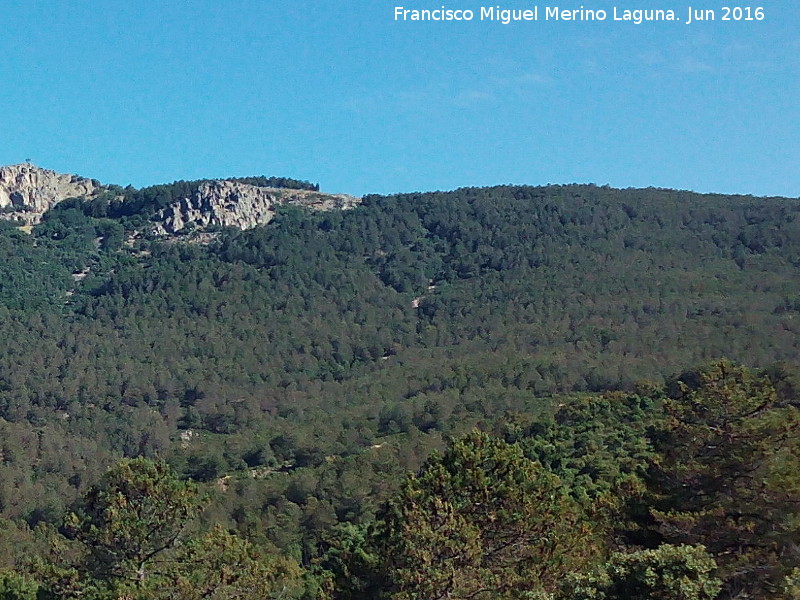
x: 292, y: 375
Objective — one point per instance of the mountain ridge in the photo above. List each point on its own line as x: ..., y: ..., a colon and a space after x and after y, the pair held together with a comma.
x: 28, y: 192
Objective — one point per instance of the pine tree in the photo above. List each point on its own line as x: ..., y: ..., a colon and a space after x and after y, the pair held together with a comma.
x: 728, y: 476
x: 479, y: 521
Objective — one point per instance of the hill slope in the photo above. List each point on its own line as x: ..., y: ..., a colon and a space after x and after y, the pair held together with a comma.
x: 319, y: 356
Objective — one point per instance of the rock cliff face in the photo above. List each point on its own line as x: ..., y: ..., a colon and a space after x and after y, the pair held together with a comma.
x: 236, y: 204
x: 27, y: 191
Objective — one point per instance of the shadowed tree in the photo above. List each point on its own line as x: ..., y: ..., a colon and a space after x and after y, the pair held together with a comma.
x: 728, y: 476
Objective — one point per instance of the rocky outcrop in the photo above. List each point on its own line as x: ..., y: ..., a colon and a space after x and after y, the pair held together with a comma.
x: 27, y: 191
x: 235, y: 204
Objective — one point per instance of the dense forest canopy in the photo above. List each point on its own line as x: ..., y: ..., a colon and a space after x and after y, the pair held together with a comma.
x: 280, y: 383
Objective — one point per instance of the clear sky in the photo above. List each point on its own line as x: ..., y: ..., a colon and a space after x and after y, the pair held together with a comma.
x: 338, y: 92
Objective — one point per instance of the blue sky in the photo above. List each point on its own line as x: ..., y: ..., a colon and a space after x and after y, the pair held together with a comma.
x: 338, y: 92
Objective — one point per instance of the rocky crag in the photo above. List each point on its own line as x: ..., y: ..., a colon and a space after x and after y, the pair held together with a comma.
x: 28, y: 191
x: 227, y: 203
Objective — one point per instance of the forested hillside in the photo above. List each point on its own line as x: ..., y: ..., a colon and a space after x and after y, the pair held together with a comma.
x: 559, y: 347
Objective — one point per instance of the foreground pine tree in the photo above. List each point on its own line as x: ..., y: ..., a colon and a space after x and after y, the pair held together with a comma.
x: 480, y: 521
x: 130, y: 541
x: 728, y: 476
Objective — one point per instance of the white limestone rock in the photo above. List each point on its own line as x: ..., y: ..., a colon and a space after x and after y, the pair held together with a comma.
x: 235, y: 204
x: 28, y: 191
